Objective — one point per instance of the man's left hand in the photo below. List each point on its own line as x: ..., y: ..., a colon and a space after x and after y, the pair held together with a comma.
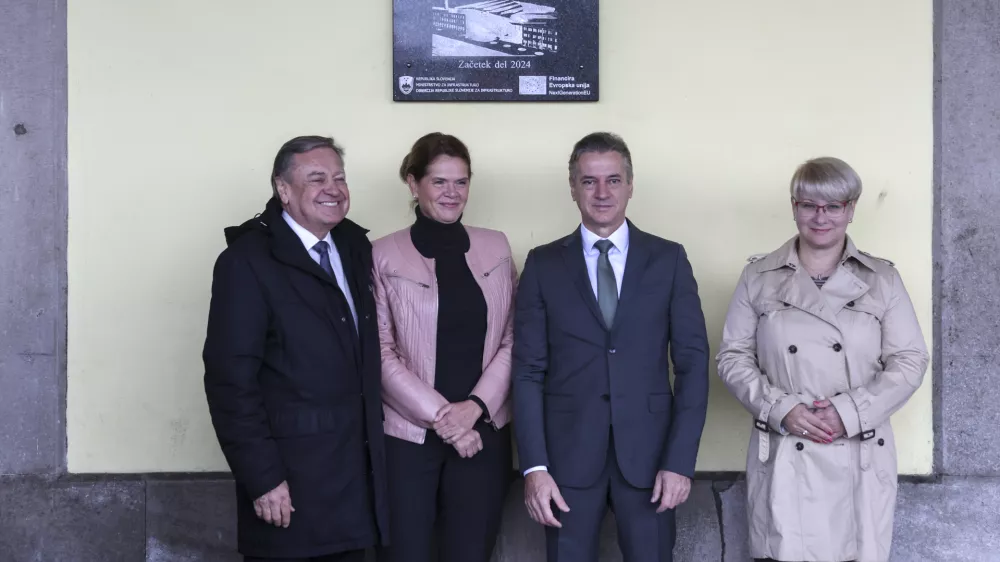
x: 671, y: 490
x: 455, y: 419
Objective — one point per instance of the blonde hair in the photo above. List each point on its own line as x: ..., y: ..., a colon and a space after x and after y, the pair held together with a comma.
x: 825, y: 179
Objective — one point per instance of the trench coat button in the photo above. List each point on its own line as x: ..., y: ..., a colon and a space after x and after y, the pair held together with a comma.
x: 850, y: 303
x: 881, y: 442
x: 837, y: 347
x: 784, y: 304
x: 799, y: 446
x: 793, y: 349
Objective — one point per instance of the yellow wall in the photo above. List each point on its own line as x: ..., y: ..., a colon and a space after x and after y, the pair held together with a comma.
x: 177, y: 108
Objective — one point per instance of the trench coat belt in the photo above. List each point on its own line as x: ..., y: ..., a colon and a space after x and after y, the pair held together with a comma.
x: 764, y: 443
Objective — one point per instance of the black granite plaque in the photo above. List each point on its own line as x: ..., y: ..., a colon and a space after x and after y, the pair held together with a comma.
x: 495, y: 50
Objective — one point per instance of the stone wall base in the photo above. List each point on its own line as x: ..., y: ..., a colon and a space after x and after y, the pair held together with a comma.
x: 191, y: 519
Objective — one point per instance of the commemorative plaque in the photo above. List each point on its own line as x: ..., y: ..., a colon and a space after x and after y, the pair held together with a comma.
x: 495, y: 50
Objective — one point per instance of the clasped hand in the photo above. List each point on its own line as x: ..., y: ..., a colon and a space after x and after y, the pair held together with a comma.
x: 453, y: 424
x: 820, y: 424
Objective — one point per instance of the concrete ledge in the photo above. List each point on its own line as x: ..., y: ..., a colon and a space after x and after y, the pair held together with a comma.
x: 71, y: 521
x: 193, y: 520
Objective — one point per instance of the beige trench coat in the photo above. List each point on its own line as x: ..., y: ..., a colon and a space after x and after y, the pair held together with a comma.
x: 856, y: 342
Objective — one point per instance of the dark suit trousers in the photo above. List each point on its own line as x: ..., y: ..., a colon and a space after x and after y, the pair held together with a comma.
x: 643, y: 535
x: 352, y: 556
x: 434, y: 493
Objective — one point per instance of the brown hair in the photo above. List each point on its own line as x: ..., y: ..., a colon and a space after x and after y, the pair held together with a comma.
x: 427, y: 149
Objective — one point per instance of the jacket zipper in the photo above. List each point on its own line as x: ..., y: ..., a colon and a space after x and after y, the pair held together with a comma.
x: 394, y: 276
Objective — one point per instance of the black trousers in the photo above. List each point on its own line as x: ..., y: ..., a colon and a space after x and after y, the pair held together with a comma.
x: 352, y: 556
x: 643, y: 534
x: 435, y: 495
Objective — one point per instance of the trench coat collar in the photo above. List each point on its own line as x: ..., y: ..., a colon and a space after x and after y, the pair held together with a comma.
x: 799, y: 290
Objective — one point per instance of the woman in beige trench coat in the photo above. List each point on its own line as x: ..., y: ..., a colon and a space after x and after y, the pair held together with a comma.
x: 821, y: 345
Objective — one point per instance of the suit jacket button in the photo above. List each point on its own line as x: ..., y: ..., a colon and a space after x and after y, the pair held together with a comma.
x: 793, y: 349
x: 881, y: 442
x: 611, y: 351
x: 837, y: 347
x: 799, y: 446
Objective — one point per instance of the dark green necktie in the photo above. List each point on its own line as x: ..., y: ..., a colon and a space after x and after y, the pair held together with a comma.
x: 607, y: 287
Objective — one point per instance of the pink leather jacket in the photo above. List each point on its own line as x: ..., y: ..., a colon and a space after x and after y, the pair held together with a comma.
x: 406, y: 298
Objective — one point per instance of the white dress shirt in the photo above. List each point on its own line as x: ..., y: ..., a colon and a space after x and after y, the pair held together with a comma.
x: 616, y: 255
x: 309, y: 240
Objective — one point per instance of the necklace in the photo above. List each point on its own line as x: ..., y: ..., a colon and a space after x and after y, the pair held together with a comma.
x: 823, y: 274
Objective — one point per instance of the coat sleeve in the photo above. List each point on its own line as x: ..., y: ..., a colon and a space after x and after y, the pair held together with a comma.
x: 402, y: 390
x: 530, y: 363
x: 494, y: 385
x: 238, y: 320
x: 905, y: 359
x: 737, y: 363
x: 689, y: 353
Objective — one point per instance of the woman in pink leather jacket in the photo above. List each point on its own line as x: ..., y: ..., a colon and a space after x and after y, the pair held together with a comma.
x: 444, y: 294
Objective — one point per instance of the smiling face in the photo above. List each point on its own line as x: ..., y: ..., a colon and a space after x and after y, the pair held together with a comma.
x: 314, y: 190
x: 444, y: 189
x: 822, y: 224
x: 601, y: 188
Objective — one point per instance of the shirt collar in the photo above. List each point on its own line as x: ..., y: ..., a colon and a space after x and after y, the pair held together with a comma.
x: 619, y: 238
x: 308, y: 238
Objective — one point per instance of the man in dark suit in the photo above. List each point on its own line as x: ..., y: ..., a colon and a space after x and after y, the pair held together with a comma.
x: 293, y: 368
x: 596, y: 420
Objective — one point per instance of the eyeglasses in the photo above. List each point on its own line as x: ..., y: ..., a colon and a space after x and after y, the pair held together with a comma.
x: 832, y: 210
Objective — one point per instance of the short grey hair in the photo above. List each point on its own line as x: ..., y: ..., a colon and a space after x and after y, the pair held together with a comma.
x: 298, y: 145
x: 600, y: 142
x: 826, y: 179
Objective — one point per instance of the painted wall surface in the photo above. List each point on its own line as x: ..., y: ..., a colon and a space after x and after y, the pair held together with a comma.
x: 177, y: 109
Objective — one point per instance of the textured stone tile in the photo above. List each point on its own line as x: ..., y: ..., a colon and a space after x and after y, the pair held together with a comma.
x: 957, y: 520
x: 733, y: 503
x: 698, y: 537
x: 968, y: 255
x: 65, y: 521
x: 33, y: 193
x: 191, y: 521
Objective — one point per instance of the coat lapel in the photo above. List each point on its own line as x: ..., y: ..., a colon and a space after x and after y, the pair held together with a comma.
x: 843, y: 287
x: 799, y: 290
x: 577, y: 267
x: 312, y: 284
x: 635, y: 267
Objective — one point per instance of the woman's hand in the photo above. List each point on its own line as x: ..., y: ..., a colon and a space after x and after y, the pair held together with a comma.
x: 455, y: 419
x: 825, y: 410
x: 803, y: 423
x: 469, y: 444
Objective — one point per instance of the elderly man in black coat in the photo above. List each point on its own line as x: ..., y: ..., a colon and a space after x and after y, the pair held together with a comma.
x: 292, y: 368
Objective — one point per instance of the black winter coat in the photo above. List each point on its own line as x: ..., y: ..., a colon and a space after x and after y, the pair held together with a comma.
x: 295, y: 391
